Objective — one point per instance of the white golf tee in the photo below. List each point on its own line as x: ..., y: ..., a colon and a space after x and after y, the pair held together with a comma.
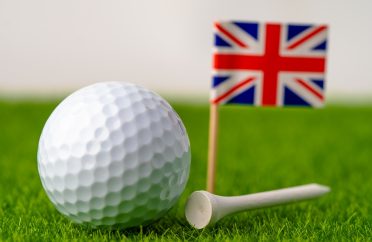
x: 204, y: 208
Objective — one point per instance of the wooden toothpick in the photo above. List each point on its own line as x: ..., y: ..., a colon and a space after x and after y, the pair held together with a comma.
x: 212, y: 149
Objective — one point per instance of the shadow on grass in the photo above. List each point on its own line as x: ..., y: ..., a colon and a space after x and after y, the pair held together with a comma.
x: 166, y: 227
x: 270, y: 221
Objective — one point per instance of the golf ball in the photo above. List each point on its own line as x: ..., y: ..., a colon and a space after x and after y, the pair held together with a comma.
x: 114, y: 154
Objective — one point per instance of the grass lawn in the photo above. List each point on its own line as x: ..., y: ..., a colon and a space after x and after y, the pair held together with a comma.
x: 259, y: 149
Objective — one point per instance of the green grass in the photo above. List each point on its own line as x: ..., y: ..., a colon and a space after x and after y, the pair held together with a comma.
x: 259, y: 149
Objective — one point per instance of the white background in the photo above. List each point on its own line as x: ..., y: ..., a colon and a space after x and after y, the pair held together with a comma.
x: 50, y: 47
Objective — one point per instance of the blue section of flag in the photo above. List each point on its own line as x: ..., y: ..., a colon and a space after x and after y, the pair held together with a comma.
x: 321, y: 46
x: 246, y: 97
x: 218, y: 41
x: 318, y: 82
x: 294, y: 30
x: 292, y: 99
x: 217, y: 80
x: 250, y: 28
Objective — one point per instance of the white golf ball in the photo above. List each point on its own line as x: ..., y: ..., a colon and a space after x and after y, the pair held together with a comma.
x: 114, y: 154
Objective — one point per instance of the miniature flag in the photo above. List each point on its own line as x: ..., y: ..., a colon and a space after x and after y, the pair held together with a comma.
x: 267, y: 64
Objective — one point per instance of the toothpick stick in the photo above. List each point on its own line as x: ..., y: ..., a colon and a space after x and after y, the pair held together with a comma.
x: 212, y: 149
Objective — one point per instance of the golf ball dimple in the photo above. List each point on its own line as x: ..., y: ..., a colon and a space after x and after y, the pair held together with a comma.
x: 114, y: 154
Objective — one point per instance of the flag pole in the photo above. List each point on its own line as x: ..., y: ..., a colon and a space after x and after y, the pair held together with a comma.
x: 212, y: 149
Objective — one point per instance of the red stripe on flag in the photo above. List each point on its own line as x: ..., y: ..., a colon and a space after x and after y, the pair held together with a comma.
x: 251, y: 62
x: 228, y: 34
x: 271, y: 59
x: 306, y: 37
x: 310, y: 89
x: 305, y: 64
x: 233, y: 89
x: 236, y: 62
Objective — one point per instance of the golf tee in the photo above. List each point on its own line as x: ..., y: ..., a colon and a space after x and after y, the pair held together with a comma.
x: 204, y: 208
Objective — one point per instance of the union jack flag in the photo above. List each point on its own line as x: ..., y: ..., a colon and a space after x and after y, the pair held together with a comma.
x: 269, y: 64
